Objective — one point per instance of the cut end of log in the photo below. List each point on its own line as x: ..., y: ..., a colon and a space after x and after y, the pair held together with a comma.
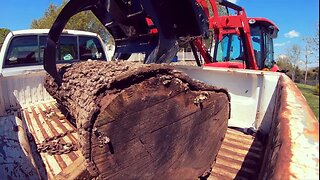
x: 142, y: 121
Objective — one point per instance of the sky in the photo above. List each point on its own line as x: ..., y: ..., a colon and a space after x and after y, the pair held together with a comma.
x: 296, y: 19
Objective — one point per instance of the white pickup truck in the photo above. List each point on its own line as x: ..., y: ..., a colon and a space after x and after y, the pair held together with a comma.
x: 22, y: 94
x: 264, y: 102
x: 24, y: 49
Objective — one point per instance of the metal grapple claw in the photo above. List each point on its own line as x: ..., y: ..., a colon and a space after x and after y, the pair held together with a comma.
x: 152, y: 27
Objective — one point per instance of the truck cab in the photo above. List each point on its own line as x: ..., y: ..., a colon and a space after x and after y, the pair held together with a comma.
x: 21, y: 90
x: 24, y: 50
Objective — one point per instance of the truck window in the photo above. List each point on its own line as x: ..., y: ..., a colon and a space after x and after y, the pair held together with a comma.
x: 29, y: 49
x: 67, y: 48
x: 90, y: 48
x: 23, y: 50
x: 42, y: 46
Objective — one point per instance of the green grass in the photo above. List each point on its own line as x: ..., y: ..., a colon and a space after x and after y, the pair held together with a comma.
x: 312, y: 99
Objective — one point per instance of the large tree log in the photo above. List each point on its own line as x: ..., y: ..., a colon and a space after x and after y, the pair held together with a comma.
x: 142, y: 121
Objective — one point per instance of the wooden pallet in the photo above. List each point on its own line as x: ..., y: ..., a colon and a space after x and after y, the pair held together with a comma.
x: 46, y: 120
x: 239, y: 157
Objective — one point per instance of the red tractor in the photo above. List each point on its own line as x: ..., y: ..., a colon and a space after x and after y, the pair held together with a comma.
x: 239, y: 41
x: 157, y: 28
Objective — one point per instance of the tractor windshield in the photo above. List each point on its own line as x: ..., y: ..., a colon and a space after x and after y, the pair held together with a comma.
x: 230, y: 48
x: 262, y: 43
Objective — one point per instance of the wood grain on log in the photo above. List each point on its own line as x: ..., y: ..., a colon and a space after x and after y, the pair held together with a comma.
x: 142, y: 121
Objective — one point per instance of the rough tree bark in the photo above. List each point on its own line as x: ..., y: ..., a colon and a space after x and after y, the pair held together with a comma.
x: 142, y: 121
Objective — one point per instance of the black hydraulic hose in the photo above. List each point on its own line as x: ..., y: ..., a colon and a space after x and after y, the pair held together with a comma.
x: 211, y: 40
x: 194, y: 51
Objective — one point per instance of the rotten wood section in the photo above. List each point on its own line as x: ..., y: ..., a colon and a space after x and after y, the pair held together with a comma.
x: 142, y: 121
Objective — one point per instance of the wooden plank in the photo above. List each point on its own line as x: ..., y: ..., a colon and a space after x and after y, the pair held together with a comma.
x: 60, y: 124
x: 71, y: 155
x: 49, y: 161
x: 77, y: 170
x: 238, y: 160
x: 43, y: 131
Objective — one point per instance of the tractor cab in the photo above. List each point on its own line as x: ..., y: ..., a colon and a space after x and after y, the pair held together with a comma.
x: 262, y: 33
x: 237, y: 50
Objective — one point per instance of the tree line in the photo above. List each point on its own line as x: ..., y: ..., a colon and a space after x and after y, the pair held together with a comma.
x: 85, y: 21
x: 296, y: 73
x: 297, y: 60
x: 3, y: 34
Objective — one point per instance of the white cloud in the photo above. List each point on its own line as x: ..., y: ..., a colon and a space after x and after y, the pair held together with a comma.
x: 233, y: 1
x: 281, y: 44
x: 292, y: 34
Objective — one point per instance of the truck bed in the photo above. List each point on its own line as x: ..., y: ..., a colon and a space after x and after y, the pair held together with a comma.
x: 238, y: 158
x: 270, y: 101
x: 46, y: 120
